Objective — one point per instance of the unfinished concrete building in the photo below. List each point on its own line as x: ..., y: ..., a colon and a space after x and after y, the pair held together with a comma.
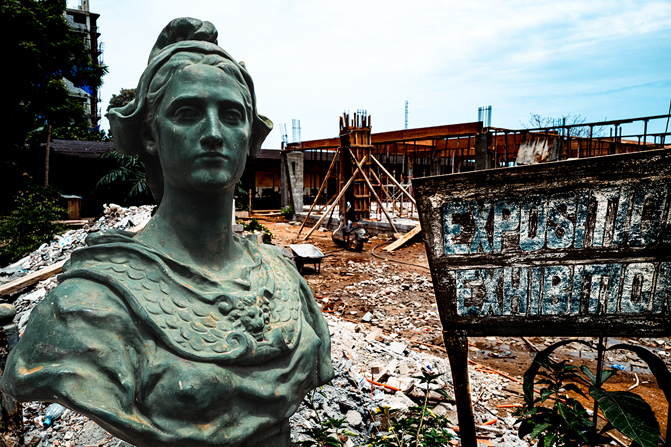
x: 367, y: 176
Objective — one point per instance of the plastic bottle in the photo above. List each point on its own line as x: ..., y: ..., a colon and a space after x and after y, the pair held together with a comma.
x: 54, y: 411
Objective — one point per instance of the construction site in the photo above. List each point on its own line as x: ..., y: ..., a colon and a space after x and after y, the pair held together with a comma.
x: 366, y: 177
x: 354, y: 204
x: 174, y: 272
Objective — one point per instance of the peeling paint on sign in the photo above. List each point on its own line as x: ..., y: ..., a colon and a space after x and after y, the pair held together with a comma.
x: 559, y: 248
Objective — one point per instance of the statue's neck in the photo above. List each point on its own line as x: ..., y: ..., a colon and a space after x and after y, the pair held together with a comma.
x: 195, y: 228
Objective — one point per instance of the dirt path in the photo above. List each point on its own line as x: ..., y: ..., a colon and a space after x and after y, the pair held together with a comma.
x: 399, y: 299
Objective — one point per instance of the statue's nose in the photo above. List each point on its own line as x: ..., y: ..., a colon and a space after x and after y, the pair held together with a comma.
x: 212, y: 138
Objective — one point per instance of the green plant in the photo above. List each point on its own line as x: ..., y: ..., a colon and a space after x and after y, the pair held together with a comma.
x: 129, y: 172
x: 48, y: 51
x: 562, y: 420
x: 253, y: 226
x: 329, y: 433
x: 565, y: 421
x: 31, y: 223
x: 420, y: 428
x: 287, y: 212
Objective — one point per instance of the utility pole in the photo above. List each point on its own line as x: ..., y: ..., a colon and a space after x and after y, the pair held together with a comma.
x: 46, y: 158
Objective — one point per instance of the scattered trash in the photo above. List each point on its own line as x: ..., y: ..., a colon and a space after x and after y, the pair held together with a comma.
x: 54, y: 411
x: 375, y: 362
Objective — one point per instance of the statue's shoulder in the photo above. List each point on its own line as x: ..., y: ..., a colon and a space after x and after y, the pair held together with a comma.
x: 80, y: 302
x: 280, y: 263
x: 274, y: 253
x: 75, y: 294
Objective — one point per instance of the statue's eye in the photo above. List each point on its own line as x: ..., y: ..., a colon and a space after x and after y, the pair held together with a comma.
x: 231, y: 116
x: 187, y: 114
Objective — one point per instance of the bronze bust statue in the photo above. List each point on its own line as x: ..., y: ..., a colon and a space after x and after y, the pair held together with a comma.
x: 182, y: 334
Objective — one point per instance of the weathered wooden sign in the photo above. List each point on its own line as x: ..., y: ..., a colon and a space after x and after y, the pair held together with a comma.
x: 580, y: 247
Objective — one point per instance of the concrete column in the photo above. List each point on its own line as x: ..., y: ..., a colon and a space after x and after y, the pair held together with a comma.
x: 483, y: 157
x: 292, y: 180
x: 434, y: 163
x: 285, y: 199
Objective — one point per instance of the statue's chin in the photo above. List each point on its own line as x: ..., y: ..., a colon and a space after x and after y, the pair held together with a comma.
x: 208, y: 182
x: 215, y: 185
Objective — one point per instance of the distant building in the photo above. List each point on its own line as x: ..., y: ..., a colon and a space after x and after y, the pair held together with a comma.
x: 84, y: 22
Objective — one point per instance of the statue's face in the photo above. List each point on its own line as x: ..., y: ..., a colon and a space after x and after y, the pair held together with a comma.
x: 202, y: 130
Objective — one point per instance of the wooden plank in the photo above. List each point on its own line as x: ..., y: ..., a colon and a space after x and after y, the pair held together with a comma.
x: 324, y: 143
x: 32, y: 278
x: 372, y: 190
x: 406, y: 237
x: 393, y: 180
x: 321, y: 188
x: 425, y: 133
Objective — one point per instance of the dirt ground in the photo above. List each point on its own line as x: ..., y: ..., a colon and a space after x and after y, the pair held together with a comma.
x: 396, y: 292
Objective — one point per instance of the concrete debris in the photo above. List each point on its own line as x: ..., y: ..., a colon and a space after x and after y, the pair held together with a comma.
x: 353, y: 418
x: 399, y: 309
x: 350, y: 395
x: 397, y: 347
x: 114, y: 217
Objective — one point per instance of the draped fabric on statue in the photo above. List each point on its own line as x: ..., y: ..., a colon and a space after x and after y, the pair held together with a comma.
x: 154, y: 348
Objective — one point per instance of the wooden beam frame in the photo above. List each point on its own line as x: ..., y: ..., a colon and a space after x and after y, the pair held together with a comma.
x: 365, y: 177
x: 393, y: 180
x: 340, y: 194
x: 321, y: 188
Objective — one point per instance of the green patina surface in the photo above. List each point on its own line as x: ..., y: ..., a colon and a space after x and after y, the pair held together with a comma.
x: 181, y: 334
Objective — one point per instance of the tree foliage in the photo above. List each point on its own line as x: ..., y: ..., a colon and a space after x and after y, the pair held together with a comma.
x: 128, y: 175
x: 31, y: 223
x: 40, y: 51
x: 79, y: 131
x: 125, y: 96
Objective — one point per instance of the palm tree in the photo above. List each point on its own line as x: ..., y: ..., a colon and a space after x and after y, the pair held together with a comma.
x: 129, y: 171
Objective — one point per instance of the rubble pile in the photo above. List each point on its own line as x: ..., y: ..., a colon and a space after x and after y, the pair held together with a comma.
x: 364, y: 355
x: 357, y: 357
x: 379, y: 315
x: 114, y: 217
x: 70, y: 430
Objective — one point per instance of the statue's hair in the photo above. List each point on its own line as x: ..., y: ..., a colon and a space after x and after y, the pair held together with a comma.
x: 178, y: 62
x: 182, y: 42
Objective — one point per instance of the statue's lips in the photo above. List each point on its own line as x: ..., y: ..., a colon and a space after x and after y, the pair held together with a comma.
x: 212, y: 156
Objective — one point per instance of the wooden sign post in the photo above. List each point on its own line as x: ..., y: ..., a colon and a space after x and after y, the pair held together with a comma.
x: 573, y: 248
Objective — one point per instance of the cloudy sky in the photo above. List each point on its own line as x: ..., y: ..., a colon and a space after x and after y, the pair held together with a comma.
x: 312, y: 60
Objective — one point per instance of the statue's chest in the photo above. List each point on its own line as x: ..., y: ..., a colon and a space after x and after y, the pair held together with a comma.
x: 188, y: 390
x: 247, y: 319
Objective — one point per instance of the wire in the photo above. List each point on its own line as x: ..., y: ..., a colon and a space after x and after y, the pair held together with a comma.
x: 372, y: 251
x: 667, y: 118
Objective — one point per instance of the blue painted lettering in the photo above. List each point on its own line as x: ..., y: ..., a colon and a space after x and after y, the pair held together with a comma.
x: 451, y: 229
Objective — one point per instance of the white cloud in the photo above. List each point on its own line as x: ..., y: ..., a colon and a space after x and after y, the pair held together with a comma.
x: 313, y: 59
